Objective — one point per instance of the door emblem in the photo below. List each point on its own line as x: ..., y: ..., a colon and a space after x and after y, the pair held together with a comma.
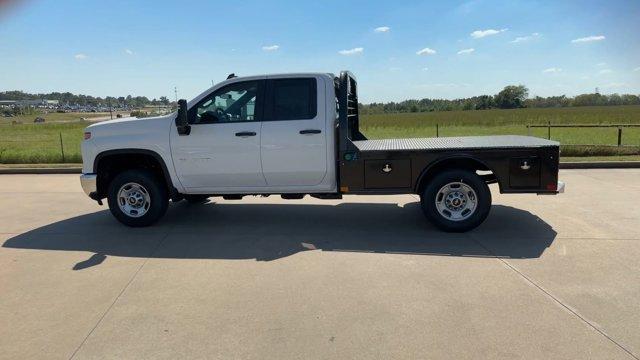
x: 525, y: 165
x: 387, y: 168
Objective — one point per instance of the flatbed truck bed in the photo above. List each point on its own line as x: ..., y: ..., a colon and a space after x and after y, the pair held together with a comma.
x: 455, y: 143
x: 518, y: 164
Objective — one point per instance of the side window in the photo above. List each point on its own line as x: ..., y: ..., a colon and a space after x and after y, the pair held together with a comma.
x: 232, y: 103
x: 293, y: 99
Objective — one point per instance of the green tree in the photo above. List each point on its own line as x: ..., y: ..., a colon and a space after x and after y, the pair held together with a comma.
x: 468, y: 105
x: 512, y: 97
x: 484, y: 102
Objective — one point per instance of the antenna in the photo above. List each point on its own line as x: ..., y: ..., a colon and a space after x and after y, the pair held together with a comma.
x: 231, y: 76
x: 175, y: 90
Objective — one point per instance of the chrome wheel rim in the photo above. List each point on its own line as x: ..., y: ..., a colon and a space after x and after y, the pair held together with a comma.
x: 133, y: 200
x: 456, y: 201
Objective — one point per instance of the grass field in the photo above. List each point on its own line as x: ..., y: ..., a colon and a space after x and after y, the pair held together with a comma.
x: 40, y: 143
x: 495, y: 122
x: 29, y: 143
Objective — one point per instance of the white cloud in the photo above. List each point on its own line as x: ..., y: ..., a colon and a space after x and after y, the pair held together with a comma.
x: 601, y: 64
x: 605, y: 71
x: 354, y: 51
x: 128, y: 51
x: 552, y: 70
x: 426, y: 51
x: 395, y: 68
x: 521, y: 39
x: 382, y: 29
x: 271, y: 47
x: 80, y: 56
x: 482, y: 33
x: 636, y: 69
x: 466, y: 51
x: 426, y: 69
x: 588, y: 39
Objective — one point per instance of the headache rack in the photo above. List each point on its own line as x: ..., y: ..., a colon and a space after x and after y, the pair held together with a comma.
x: 348, y: 119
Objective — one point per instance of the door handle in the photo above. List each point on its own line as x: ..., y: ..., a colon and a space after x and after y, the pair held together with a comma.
x: 310, y: 131
x: 245, y: 133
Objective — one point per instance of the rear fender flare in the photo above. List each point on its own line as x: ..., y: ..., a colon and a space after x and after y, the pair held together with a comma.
x: 464, y: 161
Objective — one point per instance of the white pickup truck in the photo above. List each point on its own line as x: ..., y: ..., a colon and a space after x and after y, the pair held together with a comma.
x: 296, y: 135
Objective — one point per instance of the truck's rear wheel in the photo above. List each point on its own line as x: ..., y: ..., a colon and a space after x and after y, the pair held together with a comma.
x: 136, y: 198
x: 456, y: 200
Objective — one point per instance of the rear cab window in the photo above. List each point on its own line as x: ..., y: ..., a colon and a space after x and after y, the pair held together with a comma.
x: 292, y: 99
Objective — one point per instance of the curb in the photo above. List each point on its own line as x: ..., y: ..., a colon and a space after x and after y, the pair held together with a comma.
x: 601, y: 165
x: 563, y: 165
x: 14, y: 171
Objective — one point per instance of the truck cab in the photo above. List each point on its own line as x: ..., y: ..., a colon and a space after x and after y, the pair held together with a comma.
x: 265, y: 134
x: 294, y: 135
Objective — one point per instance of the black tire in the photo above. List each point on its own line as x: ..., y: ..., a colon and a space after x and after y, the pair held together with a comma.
x: 196, y: 199
x: 158, y: 198
x: 471, y: 179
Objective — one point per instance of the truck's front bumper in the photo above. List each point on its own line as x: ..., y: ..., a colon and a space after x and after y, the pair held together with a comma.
x: 89, y: 184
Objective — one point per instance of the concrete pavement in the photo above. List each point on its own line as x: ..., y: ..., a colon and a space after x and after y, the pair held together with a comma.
x: 364, y: 277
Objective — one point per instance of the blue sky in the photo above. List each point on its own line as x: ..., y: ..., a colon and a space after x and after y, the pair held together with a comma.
x: 398, y: 50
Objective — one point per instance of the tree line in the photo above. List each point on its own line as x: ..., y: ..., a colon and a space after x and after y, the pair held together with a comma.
x: 86, y: 100
x: 511, y: 97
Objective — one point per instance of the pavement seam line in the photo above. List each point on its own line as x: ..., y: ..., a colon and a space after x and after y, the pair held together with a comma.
x: 118, y: 297
x: 568, y: 308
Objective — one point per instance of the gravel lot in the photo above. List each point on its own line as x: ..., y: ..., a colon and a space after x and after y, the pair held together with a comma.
x: 365, y: 277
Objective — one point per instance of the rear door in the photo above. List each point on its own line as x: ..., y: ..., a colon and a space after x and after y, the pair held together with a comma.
x: 294, y: 137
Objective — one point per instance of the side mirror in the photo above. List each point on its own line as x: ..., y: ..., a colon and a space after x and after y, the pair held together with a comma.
x: 182, y: 123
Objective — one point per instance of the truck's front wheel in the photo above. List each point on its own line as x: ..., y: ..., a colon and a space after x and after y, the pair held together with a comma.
x: 456, y: 200
x: 136, y: 198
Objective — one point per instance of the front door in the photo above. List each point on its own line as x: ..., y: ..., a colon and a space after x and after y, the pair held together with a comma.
x: 294, y: 133
x: 223, y: 149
